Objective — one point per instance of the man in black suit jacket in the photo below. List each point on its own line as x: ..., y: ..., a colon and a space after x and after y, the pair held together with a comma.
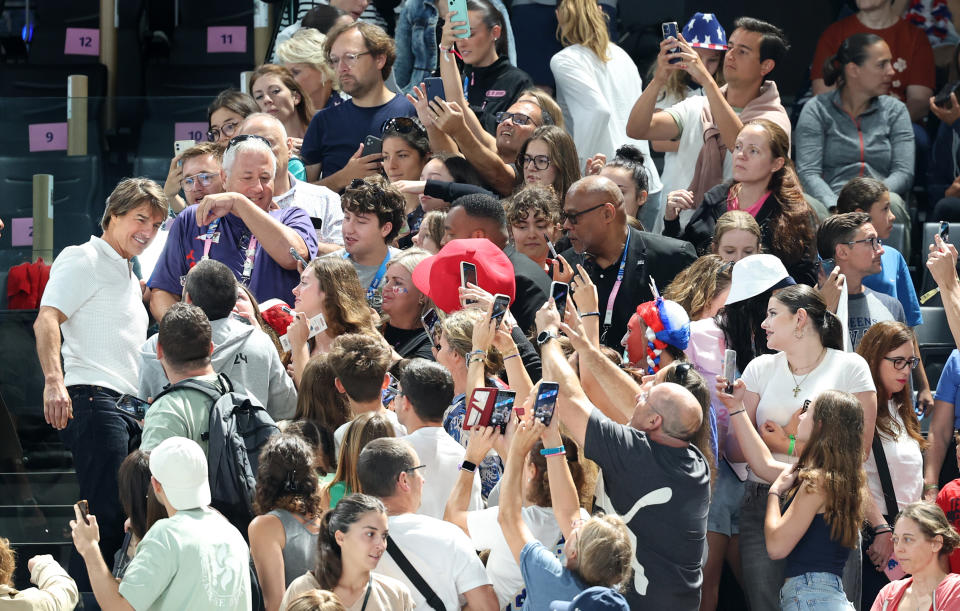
x: 481, y: 216
x: 596, y: 224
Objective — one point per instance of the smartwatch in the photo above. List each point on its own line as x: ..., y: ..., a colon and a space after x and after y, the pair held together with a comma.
x: 468, y: 466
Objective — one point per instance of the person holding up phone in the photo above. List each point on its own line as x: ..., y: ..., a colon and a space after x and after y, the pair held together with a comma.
x: 656, y: 503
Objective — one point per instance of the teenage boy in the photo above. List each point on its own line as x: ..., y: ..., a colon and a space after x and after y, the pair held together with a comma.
x: 373, y: 213
x: 360, y: 364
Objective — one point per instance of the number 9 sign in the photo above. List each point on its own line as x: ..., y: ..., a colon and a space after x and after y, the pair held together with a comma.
x: 48, y: 137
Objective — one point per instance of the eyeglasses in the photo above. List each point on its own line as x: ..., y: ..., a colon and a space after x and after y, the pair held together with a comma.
x: 227, y: 129
x: 412, y: 469
x: 573, y: 217
x: 900, y: 362
x: 874, y: 242
x: 244, y: 137
x: 518, y: 118
x: 540, y: 162
x: 403, y: 125
x: 350, y: 59
x: 203, y: 179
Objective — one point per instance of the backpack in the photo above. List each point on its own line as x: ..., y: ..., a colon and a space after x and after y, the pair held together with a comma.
x: 238, y: 428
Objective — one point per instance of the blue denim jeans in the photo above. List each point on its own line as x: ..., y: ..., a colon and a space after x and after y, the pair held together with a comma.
x: 99, y: 437
x: 814, y: 591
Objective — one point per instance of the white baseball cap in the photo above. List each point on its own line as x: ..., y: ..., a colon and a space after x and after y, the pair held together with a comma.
x: 180, y: 466
x: 755, y: 274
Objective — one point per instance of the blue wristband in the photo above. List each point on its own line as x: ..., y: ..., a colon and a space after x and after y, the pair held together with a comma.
x: 553, y: 451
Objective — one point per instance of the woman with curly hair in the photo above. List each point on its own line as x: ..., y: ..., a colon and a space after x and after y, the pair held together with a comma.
x: 283, y: 536
x: 764, y: 184
x: 702, y: 288
x: 328, y: 286
x: 814, y: 507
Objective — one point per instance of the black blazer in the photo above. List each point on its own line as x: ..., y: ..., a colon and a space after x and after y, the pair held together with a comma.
x: 699, y: 231
x: 533, y: 288
x: 648, y: 254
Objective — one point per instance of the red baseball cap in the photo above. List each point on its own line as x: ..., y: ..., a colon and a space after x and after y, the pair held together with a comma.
x: 438, y: 277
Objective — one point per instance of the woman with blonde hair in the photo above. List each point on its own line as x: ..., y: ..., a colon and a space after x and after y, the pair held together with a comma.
x: 702, y: 288
x: 597, y: 85
x: 302, y: 55
x: 815, y: 507
x: 316, y: 600
x: 737, y: 235
x: 328, y: 286
x: 922, y: 539
x: 403, y: 305
x: 365, y: 428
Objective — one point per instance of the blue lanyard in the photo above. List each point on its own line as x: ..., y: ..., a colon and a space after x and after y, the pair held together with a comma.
x: 608, y: 318
x: 375, y: 283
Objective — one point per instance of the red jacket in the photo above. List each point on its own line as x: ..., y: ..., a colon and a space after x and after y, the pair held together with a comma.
x: 945, y: 598
x: 25, y: 284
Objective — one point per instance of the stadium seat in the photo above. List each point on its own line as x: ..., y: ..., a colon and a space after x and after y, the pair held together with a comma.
x: 936, y: 342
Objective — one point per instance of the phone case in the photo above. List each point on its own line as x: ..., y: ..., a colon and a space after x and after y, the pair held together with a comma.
x: 479, y: 407
x: 461, y: 7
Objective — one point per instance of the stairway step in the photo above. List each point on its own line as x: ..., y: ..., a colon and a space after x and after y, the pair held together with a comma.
x: 39, y: 487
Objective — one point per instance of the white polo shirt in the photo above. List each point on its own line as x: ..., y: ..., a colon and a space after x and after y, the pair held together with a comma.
x: 319, y: 202
x: 98, y: 292
x: 442, y: 457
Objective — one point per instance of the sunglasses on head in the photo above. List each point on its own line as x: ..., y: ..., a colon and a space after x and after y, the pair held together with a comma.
x: 403, y: 125
x: 244, y: 137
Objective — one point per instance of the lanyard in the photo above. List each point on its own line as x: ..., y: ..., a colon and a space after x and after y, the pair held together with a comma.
x: 375, y: 283
x: 608, y: 318
x: 210, y: 237
x: 248, y: 262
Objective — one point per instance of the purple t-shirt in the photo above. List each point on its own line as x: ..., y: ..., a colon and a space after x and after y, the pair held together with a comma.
x: 336, y: 132
x: 267, y: 281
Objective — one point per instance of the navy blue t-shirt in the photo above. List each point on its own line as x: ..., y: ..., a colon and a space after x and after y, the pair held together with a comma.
x: 336, y: 132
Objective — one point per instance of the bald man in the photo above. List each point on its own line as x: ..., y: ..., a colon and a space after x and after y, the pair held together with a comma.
x: 611, y: 250
x: 322, y: 204
x: 655, y: 479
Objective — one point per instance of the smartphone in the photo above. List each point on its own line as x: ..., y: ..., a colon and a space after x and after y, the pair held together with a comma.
x: 430, y: 320
x: 559, y: 292
x: 84, y: 510
x: 180, y: 146
x: 479, y: 407
x: 670, y: 30
x: 132, y: 406
x: 826, y: 266
x: 502, y: 409
x: 468, y: 274
x: 500, y: 304
x: 460, y: 6
x: 434, y: 86
x: 943, y: 98
x: 297, y: 257
x: 729, y: 369
x: 372, y: 146
x: 944, y: 231
x: 546, y: 402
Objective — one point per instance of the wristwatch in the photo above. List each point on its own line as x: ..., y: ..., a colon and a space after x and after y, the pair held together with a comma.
x: 546, y: 336
x: 468, y: 466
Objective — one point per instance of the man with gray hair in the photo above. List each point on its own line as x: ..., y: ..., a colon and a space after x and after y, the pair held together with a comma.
x: 322, y: 204
x: 238, y: 228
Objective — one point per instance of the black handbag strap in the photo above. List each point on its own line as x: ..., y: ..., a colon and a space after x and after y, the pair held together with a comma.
x: 408, y: 569
x: 885, y: 482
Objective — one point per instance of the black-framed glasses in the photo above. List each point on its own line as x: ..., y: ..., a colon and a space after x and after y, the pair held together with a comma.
x: 203, y: 179
x: 540, y: 162
x: 574, y: 217
x: 900, y: 362
x: 518, y: 118
x: 874, y: 242
x: 227, y: 129
x: 350, y: 59
x: 403, y: 125
x: 244, y: 137
x: 412, y: 469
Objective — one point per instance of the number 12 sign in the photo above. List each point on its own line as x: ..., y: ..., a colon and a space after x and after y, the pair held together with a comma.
x: 82, y: 41
x: 227, y: 39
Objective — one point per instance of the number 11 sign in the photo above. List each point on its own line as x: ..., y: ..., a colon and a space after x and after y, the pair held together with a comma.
x: 227, y: 39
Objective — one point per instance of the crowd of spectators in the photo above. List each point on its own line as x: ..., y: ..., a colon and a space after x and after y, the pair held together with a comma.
x: 713, y: 364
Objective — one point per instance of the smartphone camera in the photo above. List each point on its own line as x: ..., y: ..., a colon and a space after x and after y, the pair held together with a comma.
x: 670, y: 30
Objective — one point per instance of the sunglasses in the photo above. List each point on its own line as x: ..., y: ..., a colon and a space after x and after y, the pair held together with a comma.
x: 900, y: 362
x: 403, y: 125
x: 574, y: 217
x: 518, y: 118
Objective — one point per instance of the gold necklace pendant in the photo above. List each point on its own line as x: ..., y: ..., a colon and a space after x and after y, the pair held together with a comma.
x: 796, y: 391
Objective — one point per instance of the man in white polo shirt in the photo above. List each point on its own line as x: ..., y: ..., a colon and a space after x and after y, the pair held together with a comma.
x: 194, y: 559
x: 426, y: 391
x: 94, y: 299
x: 440, y: 557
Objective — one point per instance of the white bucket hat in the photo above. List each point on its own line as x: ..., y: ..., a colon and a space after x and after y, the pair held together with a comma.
x: 755, y: 274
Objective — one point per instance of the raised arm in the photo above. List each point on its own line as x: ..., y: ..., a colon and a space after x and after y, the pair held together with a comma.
x: 572, y: 406
x: 499, y: 175
x: 458, y: 505
x: 452, y: 84
x: 645, y: 122
x: 515, y: 531
x: 563, y: 492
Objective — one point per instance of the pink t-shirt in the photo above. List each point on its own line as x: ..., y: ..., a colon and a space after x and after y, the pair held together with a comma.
x: 733, y: 203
